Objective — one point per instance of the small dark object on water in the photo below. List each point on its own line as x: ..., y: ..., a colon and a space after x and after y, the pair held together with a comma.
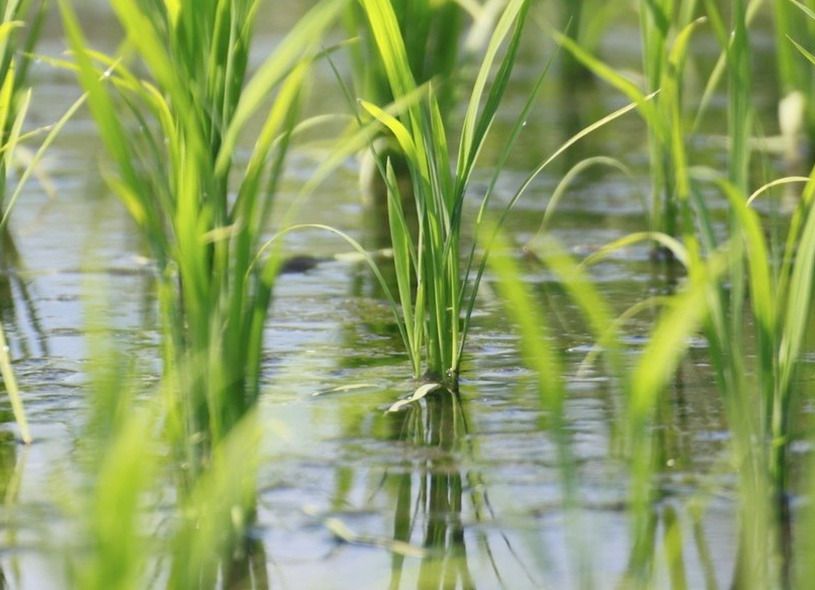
x: 660, y: 254
x: 300, y: 264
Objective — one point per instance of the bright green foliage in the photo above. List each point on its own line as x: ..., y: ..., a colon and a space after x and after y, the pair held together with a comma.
x: 126, y: 467
x: 761, y: 408
x: 10, y: 383
x: 172, y: 139
x: 432, y: 288
x: 217, y: 511
x: 430, y: 30
x: 642, y: 384
x: 119, y: 455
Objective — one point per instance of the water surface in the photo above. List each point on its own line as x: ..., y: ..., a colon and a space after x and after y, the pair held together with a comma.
x: 454, y: 492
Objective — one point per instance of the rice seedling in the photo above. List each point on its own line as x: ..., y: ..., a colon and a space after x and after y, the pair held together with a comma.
x: 19, y: 32
x: 758, y: 409
x: 173, y: 139
x: 431, y: 312
x: 112, y: 548
x: 440, y: 39
x: 209, y: 542
x: 436, y: 294
x: 127, y: 527
x: 10, y: 383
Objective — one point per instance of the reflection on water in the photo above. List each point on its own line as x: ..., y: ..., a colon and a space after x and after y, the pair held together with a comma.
x: 248, y: 567
x: 11, y: 470
x: 429, y: 496
x: 14, y: 291
x: 435, y: 493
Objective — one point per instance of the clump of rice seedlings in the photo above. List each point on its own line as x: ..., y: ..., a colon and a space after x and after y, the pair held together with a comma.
x: 119, y: 538
x: 659, y: 21
x: 439, y: 38
x: 172, y: 139
x: 761, y: 389
x: 436, y: 292
x: 432, y: 287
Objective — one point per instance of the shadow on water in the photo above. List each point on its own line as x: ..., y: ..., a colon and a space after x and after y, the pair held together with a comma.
x: 246, y: 570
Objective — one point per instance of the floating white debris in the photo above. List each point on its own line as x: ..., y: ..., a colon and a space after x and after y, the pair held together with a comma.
x: 417, y: 395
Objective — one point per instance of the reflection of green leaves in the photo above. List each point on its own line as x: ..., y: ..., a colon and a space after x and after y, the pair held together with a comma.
x: 8, y: 461
x: 10, y: 382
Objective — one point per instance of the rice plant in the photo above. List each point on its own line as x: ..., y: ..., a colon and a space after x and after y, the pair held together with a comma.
x: 760, y: 409
x: 440, y: 39
x: 111, y: 547
x: 118, y: 540
x: 436, y: 293
x: 19, y: 32
x: 432, y: 288
x: 172, y: 140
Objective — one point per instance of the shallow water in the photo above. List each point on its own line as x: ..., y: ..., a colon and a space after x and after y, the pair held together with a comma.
x: 464, y: 492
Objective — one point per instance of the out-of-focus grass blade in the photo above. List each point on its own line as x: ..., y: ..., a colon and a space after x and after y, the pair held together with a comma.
x: 10, y: 381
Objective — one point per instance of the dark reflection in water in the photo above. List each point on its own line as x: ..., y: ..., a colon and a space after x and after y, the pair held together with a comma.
x: 11, y: 469
x: 247, y: 568
x: 430, y: 496
x: 11, y: 284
